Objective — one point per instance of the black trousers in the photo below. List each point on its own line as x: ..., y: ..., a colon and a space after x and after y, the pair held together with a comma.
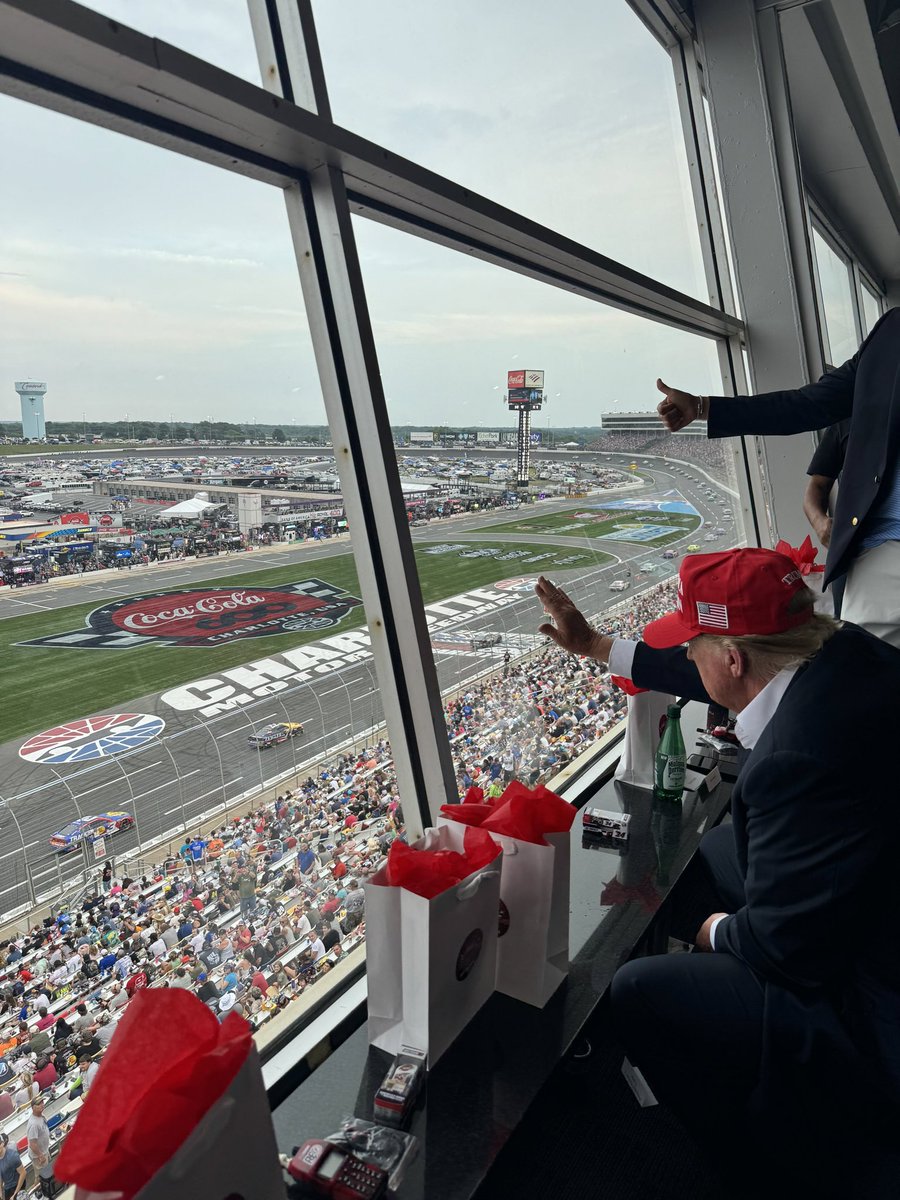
x: 693, y: 1024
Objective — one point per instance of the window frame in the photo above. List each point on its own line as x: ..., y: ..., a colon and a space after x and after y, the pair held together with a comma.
x: 83, y: 65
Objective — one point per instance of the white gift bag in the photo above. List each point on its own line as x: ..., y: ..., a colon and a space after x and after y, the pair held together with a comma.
x: 230, y: 1155
x: 638, y: 762
x: 430, y: 964
x: 533, y: 945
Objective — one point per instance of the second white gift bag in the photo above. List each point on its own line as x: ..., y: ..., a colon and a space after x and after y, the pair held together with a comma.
x: 533, y: 946
x: 638, y: 762
x: 430, y: 963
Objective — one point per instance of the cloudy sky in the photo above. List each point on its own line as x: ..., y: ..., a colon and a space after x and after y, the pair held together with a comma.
x: 136, y: 281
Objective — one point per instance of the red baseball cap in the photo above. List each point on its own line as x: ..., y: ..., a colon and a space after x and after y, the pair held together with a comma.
x: 731, y: 594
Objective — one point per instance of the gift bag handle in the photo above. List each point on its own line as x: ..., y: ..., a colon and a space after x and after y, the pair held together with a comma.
x: 467, y: 890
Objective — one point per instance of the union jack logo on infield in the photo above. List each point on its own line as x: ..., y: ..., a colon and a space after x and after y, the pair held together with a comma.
x: 713, y: 615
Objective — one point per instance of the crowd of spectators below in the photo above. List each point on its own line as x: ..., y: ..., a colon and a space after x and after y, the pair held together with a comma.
x: 254, y: 913
x: 707, y: 453
x: 543, y: 712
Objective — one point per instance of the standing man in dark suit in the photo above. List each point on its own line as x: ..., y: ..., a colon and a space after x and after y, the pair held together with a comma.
x: 865, y: 536
x: 785, y: 1035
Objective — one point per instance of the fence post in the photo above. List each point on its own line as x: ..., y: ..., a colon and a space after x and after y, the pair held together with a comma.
x: 212, y: 737
x: 28, y: 878
x: 128, y: 784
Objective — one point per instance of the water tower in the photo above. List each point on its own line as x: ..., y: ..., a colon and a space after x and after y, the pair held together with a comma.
x: 32, y: 397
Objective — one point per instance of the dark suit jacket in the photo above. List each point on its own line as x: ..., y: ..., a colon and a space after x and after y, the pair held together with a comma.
x: 816, y: 811
x: 866, y: 388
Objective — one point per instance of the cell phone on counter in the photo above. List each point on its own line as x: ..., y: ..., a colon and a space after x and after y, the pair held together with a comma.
x: 331, y: 1171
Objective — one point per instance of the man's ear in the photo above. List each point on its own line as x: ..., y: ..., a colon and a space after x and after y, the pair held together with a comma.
x: 737, y: 663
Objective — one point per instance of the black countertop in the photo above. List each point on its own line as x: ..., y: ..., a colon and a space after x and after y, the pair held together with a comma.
x: 483, y: 1085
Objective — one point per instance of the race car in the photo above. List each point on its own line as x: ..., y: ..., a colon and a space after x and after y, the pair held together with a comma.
x: 88, y: 829
x: 271, y: 735
x: 693, y: 547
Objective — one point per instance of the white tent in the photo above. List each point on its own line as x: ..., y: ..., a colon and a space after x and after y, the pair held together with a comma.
x: 190, y: 508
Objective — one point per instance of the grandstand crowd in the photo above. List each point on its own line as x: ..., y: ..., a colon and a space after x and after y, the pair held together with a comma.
x: 253, y: 913
x: 706, y: 452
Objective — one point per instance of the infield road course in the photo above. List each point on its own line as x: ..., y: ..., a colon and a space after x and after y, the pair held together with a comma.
x: 203, y: 758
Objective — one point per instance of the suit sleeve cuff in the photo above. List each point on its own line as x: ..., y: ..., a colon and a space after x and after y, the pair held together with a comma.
x: 621, y: 657
x: 712, y: 931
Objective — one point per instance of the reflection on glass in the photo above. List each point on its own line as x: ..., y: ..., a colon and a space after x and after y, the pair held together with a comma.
x: 837, y: 300
x: 610, y: 504
x: 871, y: 308
x: 218, y: 31
x: 573, y: 123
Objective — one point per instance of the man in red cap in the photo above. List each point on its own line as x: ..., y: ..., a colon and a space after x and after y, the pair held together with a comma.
x: 795, y: 1009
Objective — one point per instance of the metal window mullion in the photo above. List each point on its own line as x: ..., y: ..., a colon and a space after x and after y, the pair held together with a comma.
x: 366, y: 463
x: 288, y: 50
x: 344, y: 346
x: 751, y: 486
x: 793, y: 195
x: 703, y: 178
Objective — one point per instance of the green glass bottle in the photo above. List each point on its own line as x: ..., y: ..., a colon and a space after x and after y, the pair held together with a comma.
x: 670, y: 758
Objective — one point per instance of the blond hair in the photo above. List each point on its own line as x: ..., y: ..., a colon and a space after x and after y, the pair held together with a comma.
x: 769, y: 653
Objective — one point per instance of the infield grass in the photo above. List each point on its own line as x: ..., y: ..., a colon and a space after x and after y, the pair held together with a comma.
x: 48, y: 685
x: 625, y: 524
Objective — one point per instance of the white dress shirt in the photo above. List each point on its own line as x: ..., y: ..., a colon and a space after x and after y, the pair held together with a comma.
x: 751, y: 721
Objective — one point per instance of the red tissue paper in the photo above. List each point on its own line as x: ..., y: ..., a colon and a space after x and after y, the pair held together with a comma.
x: 803, y: 556
x: 168, y: 1064
x: 626, y: 685
x: 430, y: 872
x: 520, y: 813
x: 474, y: 795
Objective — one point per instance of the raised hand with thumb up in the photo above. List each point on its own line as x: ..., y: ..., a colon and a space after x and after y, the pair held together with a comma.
x: 678, y: 408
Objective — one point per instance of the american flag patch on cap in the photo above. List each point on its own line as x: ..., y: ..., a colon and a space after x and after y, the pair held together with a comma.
x: 713, y: 615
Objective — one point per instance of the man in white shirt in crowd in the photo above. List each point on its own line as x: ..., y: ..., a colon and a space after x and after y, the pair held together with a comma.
x: 105, y: 1029
x: 158, y: 948
x: 88, y: 1069
x: 119, y: 997
x: 38, y: 1135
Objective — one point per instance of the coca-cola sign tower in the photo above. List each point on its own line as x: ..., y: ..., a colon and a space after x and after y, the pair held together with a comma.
x: 207, y: 617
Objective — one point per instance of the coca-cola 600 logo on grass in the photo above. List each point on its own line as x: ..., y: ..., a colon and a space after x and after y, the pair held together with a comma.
x: 207, y: 617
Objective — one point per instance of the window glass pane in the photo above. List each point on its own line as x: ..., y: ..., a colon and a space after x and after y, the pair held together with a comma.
x: 612, y: 502
x: 837, y: 300
x: 871, y: 307
x: 189, y: 666
x: 573, y: 122
x: 218, y: 31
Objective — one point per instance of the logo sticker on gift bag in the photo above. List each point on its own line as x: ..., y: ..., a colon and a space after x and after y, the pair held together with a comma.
x: 468, y: 955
